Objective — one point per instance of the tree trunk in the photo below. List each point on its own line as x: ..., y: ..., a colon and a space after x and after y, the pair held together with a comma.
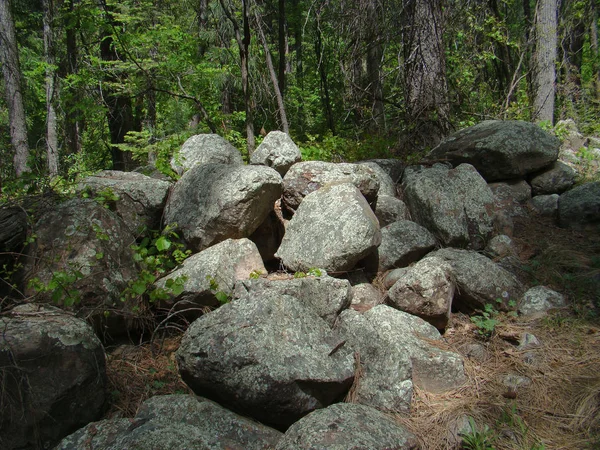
x: 324, y: 81
x: 9, y: 57
x: 73, y: 122
x: 544, y: 60
x: 282, y: 46
x: 426, y: 86
x: 374, y: 56
x: 594, y: 49
x: 202, y: 24
x: 51, y: 90
x: 276, y: 87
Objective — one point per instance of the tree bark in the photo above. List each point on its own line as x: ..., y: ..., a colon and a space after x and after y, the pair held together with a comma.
x: 202, y: 24
x: 374, y: 55
x: 51, y: 90
x: 282, y: 42
x: 323, y: 76
x: 73, y: 122
x: 9, y: 57
x: 544, y: 60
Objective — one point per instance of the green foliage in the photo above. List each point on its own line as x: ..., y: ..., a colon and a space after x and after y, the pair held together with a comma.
x: 312, y: 272
x: 486, y: 321
x: 60, y: 286
x: 256, y: 274
x: 478, y: 438
x: 222, y: 296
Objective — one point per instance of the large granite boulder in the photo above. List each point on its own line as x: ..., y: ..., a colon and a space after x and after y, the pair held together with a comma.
x: 138, y: 199
x: 325, y: 295
x: 175, y: 422
x: 332, y: 229
x: 456, y: 205
x: 425, y: 289
x: 267, y: 356
x: 395, y: 353
x: 308, y: 176
x: 53, y: 375
x: 346, y: 426
x: 402, y: 243
x: 500, y: 149
x: 555, y: 179
x: 278, y: 151
x: 390, y: 209
x: 214, y: 202
x: 538, y: 300
x: 580, y: 207
x: 205, y: 149
x: 480, y: 281
x: 212, y: 273
x: 82, y: 260
x: 393, y: 167
x: 386, y: 185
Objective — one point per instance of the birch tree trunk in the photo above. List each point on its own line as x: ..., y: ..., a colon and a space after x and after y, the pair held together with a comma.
x: 51, y: 90
x: 9, y: 57
x: 544, y: 60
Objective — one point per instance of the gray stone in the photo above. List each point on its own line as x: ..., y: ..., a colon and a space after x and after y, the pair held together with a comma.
x: 333, y: 229
x: 555, y: 179
x: 456, y: 205
x: 365, y: 296
x: 545, y: 205
x: 403, y: 243
x: 90, y: 244
x: 500, y: 149
x: 266, y: 356
x: 395, y: 353
x: 278, y: 151
x: 390, y: 209
x: 140, y: 199
x: 540, y: 299
x: 510, y: 197
x: 425, y: 290
x: 480, y: 281
x: 570, y: 136
x: 211, y: 271
x: 528, y: 341
x: 214, y: 202
x: 393, y: 167
x: 346, y: 426
x: 500, y: 246
x: 53, y: 373
x: 308, y: 176
x: 392, y: 276
x: 177, y: 422
x: 205, y: 149
x: 386, y: 184
x: 580, y: 207
x: 325, y: 295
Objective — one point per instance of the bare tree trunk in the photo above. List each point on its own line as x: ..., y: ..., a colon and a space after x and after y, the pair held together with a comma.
x: 426, y: 86
x: 374, y: 56
x: 9, y: 57
x: 276, y: 87
x: 594, y: 48
x: 73, y: 123
x: 202, y: 23
x: 51, y: 90
x: 282, y: 46
x: 544, y: 60
x: 323, y: 75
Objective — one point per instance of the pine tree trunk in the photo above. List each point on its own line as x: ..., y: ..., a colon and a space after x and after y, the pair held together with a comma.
x: 9, y: 57
x: 51, y: 90
x: 544, y: 60
x: 73, y: 122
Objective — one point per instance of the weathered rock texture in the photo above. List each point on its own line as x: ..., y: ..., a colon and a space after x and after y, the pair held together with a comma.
x: 205, y: 149
x: 386, y: 185
x: 214, y: 202
x: 580, y: 207
x: 402, y: 243
x: 278, y: 151
x: 333, y: 229
x: 266, y: 356
x: 52, y: 375
x: 555, y: 179
x: 308, y: 176
x: 346, y: 426
x: 540, y: 299
x: 456, y: 205
x: 141, y: 199
x: 177, y: 422
x: 500, y: 149
x: 390, y: 209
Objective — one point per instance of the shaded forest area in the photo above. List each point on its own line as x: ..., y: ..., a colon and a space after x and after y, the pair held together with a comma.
x: 96, y: 84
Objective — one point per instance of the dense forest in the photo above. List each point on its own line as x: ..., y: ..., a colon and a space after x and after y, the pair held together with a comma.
x: 96, y: 84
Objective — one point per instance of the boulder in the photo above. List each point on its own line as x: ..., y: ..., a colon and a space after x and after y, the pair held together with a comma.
x: 212, y: 273
x: 393, y: 167
x: 214, y: 202
x: 545, y: 205
x: 386, y: 185
x: 325, y: 295
x: 403, y: 243
x: 425, y: 290
x: 308, y: 176
x: 333, y: 229
x: 555, y: 179
x: 580, y: 207
x: 139, y: 200
x: 500, y: 149
x: 500, y: 247
x: 177, y: 422
x: 13, y: 234
x: 346, y: 426
x: 480, y: 281
x: 540, y: 299
x: 570, y: 136
x: 53, y: 376
x: 390, y: 209
x: 266, y: 356
x: 396, y: 351
x: 365, y: 296
x: 205, y: 149
x: 392, y: 276
x: 82, y: 260
x: 510, y: 197
x: 278, y: 151
x: 456, y: 205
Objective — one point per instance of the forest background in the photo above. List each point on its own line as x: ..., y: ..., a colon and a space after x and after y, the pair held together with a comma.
x: 97, y: 84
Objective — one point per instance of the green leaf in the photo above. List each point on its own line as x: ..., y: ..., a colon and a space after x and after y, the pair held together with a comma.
x: 162, y: 243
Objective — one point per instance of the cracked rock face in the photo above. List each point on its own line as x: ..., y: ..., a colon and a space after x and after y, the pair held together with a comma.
x: 205, y: 149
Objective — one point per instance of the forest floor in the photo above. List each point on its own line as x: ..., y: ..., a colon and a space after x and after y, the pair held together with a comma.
x: 558, y: 408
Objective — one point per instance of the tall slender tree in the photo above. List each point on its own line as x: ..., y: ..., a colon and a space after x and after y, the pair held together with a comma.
x: 544, y: 60
x: 51, y: 89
